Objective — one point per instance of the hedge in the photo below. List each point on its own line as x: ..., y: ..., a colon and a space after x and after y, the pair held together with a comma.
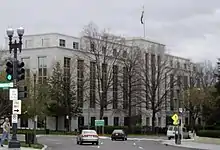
x: 107, y: 130
x: 209, y: 133
x: 133, y: 130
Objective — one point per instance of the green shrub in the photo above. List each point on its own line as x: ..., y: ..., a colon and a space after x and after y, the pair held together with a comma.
x: 209, y: 133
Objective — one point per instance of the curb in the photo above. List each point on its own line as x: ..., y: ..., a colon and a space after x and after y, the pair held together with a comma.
x: 45, y: 147
x: 174, y: 145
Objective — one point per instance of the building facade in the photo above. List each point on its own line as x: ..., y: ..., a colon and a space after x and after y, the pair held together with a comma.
x: 40, y: 53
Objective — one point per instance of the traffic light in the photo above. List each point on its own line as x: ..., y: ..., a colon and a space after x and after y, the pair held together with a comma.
x: 9, y: 70
x: 20, y: 71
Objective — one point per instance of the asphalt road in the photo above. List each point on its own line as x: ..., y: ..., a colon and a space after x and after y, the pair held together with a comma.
x: 69, y: 143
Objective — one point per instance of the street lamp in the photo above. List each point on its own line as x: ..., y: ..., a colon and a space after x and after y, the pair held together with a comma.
x: 14, y: 45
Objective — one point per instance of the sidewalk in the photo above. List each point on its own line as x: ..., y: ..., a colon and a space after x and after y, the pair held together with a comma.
x: 22, y: 148
x: 192, y: 144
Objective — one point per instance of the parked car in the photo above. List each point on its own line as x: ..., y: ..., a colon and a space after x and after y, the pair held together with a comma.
x: 172, y: 130
x: 87, y: 136
x: 119, y: 134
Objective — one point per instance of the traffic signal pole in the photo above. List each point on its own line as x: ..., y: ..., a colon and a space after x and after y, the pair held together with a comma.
x: 14, y: 143
x: 14, y: 46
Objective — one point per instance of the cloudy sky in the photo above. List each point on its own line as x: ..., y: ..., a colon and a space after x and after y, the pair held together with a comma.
x: 189, y: 28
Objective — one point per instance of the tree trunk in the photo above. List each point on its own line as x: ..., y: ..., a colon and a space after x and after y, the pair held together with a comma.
x: 129, y: 105
x: 101, y: 113
x: 69, y: 124
x: 153, y: 120
x: 57, y: 123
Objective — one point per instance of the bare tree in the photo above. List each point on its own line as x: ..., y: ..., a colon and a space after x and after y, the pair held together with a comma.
x: 159, y: 80
x: 130, y: 84
x: 207, y: 77
x: 102, y: 49
x: 194, y: 99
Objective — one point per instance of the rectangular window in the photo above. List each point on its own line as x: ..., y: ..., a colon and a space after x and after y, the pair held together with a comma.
x: 126, y: 121
x: 171, y: 92
x: 125, y: 88
x: 42, y: 70
x: 23, y: 122
x: 146, y: 77
x: 66, y: 68
x: 114, y: 52
x: 80, y: 77
x: 105, y: 120
x: 159, y: 121
x: 45, y: 42
x: 104, y: 84
x: 80, y: 121
x: 75, y: 45
x: 178, y: 64
x: 116, y: 121
x: 28, y: 43
x: 147, y: 121
x: 92, y: 84
x: 115, y: 87
x: 93, y: 121
x: 185, y: 82
x: 62, y: 43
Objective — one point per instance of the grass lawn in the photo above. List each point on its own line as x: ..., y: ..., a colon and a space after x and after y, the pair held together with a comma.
x: 207, y: 140
x: 23, y: 144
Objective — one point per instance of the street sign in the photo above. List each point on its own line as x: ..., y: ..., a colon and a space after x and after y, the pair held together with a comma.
x: 13, y: 94
x: 6, y: 85
x: 175, y: 118
x: 14, y: 118
x: 99, y: 122
x: 16, y: 108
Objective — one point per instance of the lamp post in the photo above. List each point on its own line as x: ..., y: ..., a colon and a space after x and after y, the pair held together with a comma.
x: 35, y: 116
x: 15, y: 46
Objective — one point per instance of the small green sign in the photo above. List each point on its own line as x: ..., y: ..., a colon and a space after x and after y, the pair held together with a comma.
x: 6, y: 85
x: 99, y: 122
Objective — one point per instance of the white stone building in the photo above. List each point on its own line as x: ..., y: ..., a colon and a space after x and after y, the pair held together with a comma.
x: 41, y: 51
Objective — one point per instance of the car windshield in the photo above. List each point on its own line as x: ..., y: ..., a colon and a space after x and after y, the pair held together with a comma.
x: 118, y: 131
x: 170, y: 128
x: 88, y: 132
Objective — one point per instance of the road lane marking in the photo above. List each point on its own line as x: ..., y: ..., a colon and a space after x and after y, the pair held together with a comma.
x: 140, y: 147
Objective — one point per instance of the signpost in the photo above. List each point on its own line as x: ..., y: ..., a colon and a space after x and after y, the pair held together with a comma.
x: 14, y: 118
x: 16, y: 108
x: 100, y: 123
x: 13, y: 94
x: 175, y: 118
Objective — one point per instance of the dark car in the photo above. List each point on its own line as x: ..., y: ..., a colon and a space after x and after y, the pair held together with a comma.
x: 119, y: 135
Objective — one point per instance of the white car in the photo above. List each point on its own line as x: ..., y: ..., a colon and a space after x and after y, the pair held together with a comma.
x: 171, y: 132
x: 87, y: 136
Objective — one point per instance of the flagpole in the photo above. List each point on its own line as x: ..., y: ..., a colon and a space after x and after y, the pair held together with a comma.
x: 144, y: 24
x: 144, y: 29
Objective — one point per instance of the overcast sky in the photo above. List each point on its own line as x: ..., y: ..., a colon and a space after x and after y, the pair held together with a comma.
x: 189, y: 28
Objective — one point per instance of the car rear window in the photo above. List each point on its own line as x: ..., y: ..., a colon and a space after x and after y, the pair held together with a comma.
x: 118, y: 131
x: 170, y: 128
x: 89, y: 132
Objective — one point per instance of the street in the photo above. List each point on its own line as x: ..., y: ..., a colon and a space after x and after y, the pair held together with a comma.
x: 69, y: 143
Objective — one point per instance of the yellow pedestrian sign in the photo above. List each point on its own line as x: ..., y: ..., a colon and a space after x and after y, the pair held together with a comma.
x: 175, y: 118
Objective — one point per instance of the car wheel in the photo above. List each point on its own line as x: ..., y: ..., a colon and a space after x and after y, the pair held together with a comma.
x: 126, y: 139
x: 97, y: 143
x: 169, y: 138
x: 112, y: 139
x: 77, y: 142
x: 80, y: 143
